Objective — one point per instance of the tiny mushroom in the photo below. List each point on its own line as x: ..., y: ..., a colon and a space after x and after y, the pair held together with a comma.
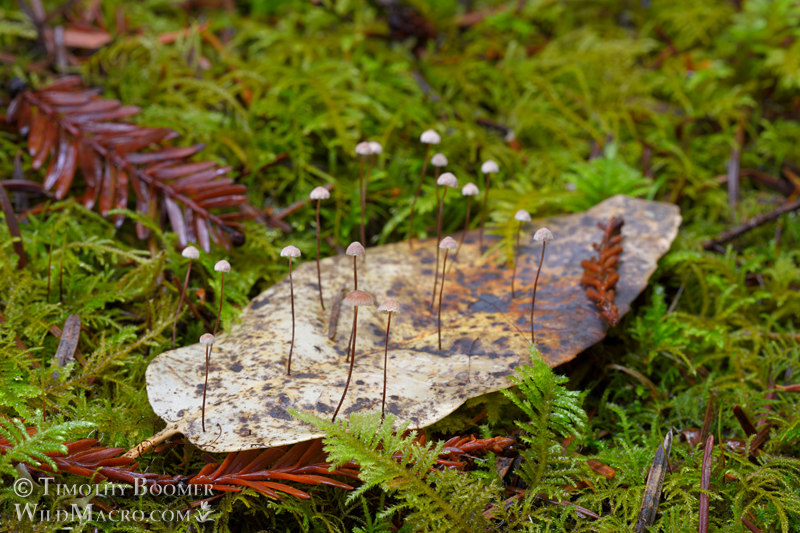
x: 355, y: 299
x: 291, y: 252
x: 448, y: 179
x: 447, y: 244
x: 389, y: 306
x: 207, y: 339
x: 521, y: 217
x: 190, y: 253
x: 469, y: 190
x: 223, y: 267
x: 319, y: 194
x: 363, y: 149
x: 488, y: 167
x: 544, y: 236
x: 428, y: 137
x: 356, y: 250
x: 439, y: 160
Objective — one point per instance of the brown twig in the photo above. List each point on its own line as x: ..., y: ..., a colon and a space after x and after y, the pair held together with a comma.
x: 755, y: 222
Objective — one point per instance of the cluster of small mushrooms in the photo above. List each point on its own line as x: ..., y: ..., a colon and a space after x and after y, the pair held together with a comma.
x: 368, y: 152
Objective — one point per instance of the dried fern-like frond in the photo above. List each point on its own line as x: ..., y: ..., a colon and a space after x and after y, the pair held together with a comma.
x: 71, y: 127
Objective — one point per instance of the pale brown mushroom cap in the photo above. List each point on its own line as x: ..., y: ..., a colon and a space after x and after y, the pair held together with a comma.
x: 430, y: 137
x: 290, y: 251
x: 448, y: 243
x: 490, y: 167
x: 439, y: 160
x: 207, y: 338
x: 447, y: 179
x: 375, y: 147
x: 355, y: 249
x: 190, y: 252
x: 319, y: 193
x: 389, y: 306
x: 470, y: 189
x: 222, y: 266
x: 543, y: 234
x: 358, y: 298
x: 522, y: 216
x: 363, y: 148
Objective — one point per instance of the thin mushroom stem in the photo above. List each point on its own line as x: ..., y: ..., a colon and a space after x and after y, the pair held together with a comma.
x: 441, y: 291
x: 385, y: 365
x: 535, y: 283
x: 180, y: 303
x: 221, y: 293
x: 416, y: 195
x: 466, y: 226
x: 352, y: 360
x: 363, y: 203
x: 319, y: 275
x: 438, y: 239
x: 205, y: 387
x: 291, y: 347
x: 483, y: 213
x: 516, y: 257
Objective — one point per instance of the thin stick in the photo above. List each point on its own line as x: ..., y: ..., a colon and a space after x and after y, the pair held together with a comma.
x: 483, y: 213
x: 291, y: 347
x: 319, y: 276
x: 516, y: 256
x: 536, y: 282
x: 180, y: 303
x: 205, y: 386
x: 416, y: 195
x: 352, y: 360
x: 385, y: 365
x: 438, y: 239
x: 441, y: 290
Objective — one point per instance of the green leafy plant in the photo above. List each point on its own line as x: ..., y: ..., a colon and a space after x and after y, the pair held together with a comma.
x: 553, y: 414
x: 19, y: 445
x: 430, y: 498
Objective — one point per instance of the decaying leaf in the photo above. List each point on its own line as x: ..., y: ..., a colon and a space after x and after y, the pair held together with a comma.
x: 485, y: 334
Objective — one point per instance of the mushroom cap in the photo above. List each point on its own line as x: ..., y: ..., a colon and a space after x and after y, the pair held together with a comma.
x: 430, y: 137
x: 290, y: 251
x: 190, y: 252
x: 207, y: 338
x: 355, y: 248
x: 543, y: 234
x: 319, y: 193
x: 389, y: 306
x: 448, y: 243
x: 363, y: 148
x: 439, y: 160
x: 222, y: 266
x: 448, y: 179
x: 358, y: 298
x: 375, y: 147
x: 522, y: 216
x: 489, y: 166
x: 470, y: 189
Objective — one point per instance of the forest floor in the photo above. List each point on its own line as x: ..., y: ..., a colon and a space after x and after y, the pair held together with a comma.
x: 692, y: 103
